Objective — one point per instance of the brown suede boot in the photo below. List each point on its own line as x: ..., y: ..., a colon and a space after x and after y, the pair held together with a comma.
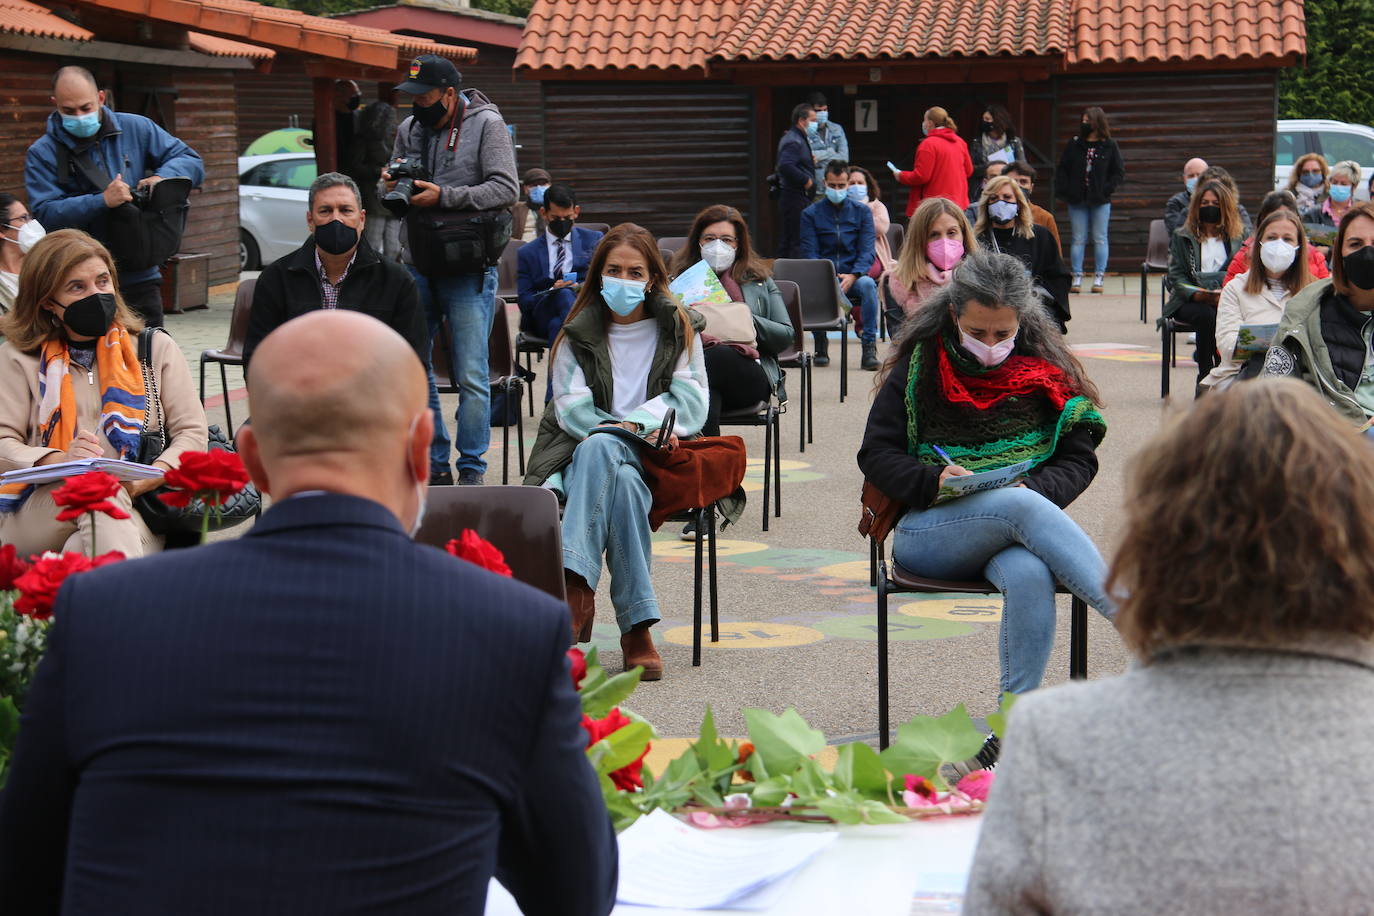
x: 638, y: 648
x: 582, y: 604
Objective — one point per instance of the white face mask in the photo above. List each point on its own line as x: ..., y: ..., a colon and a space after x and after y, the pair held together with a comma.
x: 1277, y: 255
x: 29, y: 235
x: 421, y: 490
x: 719, y: 255
x: 989, y: 356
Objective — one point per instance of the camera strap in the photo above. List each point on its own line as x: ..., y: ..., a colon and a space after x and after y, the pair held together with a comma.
x: 455, y: 125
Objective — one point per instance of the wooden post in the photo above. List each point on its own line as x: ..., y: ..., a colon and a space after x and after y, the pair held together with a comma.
x: 326, y: 144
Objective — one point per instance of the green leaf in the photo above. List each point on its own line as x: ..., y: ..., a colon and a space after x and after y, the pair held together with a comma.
x: 621, y: 747
x: 924, y: 743
x: 623, y: 810
x: 9, y: 723
x: 843, y: 809
x: 599, y: 700
x: 861, y: 769
x: 998, y: 720
x: 876, y: 812
x: 810, y: 781
x: 771, y: 791
x: 711, y: 752
x: 780, y: 742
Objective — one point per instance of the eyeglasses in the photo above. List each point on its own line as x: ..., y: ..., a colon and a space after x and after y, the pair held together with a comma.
x: 727, y: 239
x: 19, y: 221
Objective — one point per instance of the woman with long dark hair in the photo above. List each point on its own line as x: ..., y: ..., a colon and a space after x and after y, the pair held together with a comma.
x: 1090, y: 170
x: 980, y: 378
x: 628, y: 353
x: 996, y: 142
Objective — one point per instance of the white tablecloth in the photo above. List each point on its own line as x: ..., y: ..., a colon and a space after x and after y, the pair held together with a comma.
x: 876, y: 871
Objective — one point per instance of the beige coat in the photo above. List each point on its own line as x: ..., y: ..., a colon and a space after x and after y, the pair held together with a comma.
x: 32, y: 528
x: 1238, y: 307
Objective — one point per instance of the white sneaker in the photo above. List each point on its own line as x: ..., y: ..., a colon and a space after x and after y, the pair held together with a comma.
x: 1078, y: 283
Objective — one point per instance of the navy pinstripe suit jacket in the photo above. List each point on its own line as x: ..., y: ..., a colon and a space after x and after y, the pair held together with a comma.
x: 319, y: 717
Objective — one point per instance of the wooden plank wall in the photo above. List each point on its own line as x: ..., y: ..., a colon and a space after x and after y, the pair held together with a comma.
x: 521, y: 101
x: 1161, y: 120
x: 267, y: 101
x: 650, y: 153
x: 204, y: 118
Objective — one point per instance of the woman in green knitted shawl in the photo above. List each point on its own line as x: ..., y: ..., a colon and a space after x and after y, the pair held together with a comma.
x: 981, y: 379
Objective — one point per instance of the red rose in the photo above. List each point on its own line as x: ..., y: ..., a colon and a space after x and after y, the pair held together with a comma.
x: 38, y: 586
x: 11, y: 567
x: 88, y: 492
x: 213, y: 476
x: 629, y: 776
x: 474, y: 548
x: 578, y: 660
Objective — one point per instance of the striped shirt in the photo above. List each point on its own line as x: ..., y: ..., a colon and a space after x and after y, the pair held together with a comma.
x: 329, y: 292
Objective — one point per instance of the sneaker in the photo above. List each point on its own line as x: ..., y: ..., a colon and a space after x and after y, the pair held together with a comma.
x: 442, y: 478
x: 1077, y: 283
x: 1097, y: 283
x: 468, y: 477
x: 820, y: 360
x: 689, y: 531
x: 985, y: 759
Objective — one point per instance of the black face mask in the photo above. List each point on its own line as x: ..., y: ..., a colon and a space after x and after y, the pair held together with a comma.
x: 985, y: 127
x: 354, y: 101
x: 1209, y: 214
x: 1084, y: 130
x: 334, y: 237
x: 91, y: 316
x: 560, y: 227
x: 1358, y: 267
x: 430, y: 115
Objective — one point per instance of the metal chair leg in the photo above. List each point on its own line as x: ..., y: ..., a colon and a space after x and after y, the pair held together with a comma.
x: 872, y: 563
x: 1165, y: 339
x: 884, y: 728
x: 1144, y: 284
x: 529, y: 368
x: 505, y: 451
x: 202, y: 381
x: 520, y: 434
x: 844, y: 360
x: 767, y: 472
x: 228, y: 411
x: 711, y: 554
x: 801, y: 410
x: 696, y: 596
x: 776, y: 422
x: 1078, y: 639
x: 810, y: 401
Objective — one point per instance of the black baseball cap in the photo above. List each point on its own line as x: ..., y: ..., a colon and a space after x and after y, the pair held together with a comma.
x: 430, y: 71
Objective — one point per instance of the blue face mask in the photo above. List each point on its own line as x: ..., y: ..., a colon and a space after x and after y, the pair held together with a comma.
x: 622, y: 296
x: 82, y: 126
x: 537, y: 193
x: 812, y: 127
x: 836, y: 195
x: 822, y: 116
x: 1190, y: 184
x: 1311, y: 179
x: 858, y: 192
x: 1340, y: 193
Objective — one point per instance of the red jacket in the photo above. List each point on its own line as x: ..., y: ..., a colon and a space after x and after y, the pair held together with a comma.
x: 1241, y: 262
x: 942, y: 169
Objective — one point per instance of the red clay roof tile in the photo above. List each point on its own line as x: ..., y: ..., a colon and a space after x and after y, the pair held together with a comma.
x: 24, y: 18
x: 682, y: 34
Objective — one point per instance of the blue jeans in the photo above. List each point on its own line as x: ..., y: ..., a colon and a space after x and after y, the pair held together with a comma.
x: 468, y: 302
x: 607, y: 512
x: 1086, y: 219
x: 1020, y: 542
x: 864, y: 293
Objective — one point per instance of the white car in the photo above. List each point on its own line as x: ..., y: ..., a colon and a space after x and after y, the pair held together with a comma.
x: 1335, y: 140
x: 273, y: 199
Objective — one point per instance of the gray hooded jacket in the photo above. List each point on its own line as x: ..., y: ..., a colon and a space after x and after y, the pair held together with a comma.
x: 480, y: 173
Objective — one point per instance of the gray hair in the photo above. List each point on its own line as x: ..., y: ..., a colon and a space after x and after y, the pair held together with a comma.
x: 997, y: 281
x: 333, y: 180
x: 1348, y: 169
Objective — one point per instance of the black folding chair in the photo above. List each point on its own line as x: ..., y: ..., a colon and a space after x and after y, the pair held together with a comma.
x: 823, y: 307
x: 1168, y: 357
x: 796, y: 357
x: 232, y: 354
x: 1156, y: 262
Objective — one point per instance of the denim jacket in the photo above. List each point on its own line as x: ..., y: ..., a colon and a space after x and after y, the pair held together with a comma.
x: 828, y: 144
x: 842, y: 234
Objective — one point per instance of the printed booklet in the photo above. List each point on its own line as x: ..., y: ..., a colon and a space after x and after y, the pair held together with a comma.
x: 1253, y: 340
x: 954, y: 487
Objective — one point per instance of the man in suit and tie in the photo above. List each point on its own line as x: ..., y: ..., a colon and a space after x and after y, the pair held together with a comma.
x: 549, y: 269
x: 321, y: 716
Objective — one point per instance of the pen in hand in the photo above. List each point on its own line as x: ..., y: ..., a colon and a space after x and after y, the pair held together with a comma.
x: 944, y: 455
x: 951, y: 468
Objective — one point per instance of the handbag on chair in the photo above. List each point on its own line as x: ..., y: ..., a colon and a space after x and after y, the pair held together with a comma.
x: 880, y: 513
x: 157, y: 515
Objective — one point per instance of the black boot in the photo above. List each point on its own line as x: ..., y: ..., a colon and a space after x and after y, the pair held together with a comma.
x: 822, y: 348
x: 869, y: 359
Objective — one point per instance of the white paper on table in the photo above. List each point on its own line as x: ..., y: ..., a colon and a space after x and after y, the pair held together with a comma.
x: 45, y: 473
x: 666, y: 863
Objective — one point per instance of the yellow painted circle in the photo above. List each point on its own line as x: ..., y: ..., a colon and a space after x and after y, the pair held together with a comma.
x: 724, y: 548
x: 756, y: 465
x: 851, y: 570
x: 747, y: 635
x: 965, y: 608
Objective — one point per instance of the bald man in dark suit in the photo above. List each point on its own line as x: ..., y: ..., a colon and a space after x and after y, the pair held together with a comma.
x: 321, y: 716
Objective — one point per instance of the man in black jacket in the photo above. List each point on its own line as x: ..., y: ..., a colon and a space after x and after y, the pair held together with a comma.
x: 336, y: 268
x: 796, y: 164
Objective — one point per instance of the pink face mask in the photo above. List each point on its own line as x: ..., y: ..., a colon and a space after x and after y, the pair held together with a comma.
x: 945, y: 253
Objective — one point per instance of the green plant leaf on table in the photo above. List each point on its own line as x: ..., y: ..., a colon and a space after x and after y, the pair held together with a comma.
x: 924, y: 743
x: 599, y: 699
x: 998, y: 720
x: 858, y: 767
x: 711, y: 752
x: 780, y: 742
x: 849, y: 808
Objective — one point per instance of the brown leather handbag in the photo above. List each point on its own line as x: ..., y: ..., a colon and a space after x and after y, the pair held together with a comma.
x: 880, y: 513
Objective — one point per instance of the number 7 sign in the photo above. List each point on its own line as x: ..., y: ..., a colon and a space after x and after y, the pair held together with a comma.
x: 866, y: 116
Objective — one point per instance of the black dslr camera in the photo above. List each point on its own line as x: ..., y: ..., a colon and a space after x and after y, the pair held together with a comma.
x: 405, y: 172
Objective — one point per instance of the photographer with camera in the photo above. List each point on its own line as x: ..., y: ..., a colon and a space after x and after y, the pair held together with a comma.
x: 452, y: 176
x: 336, y: 268
x: 99, y: 171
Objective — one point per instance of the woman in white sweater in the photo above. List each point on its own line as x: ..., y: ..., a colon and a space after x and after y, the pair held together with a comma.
x: 1259, y: 295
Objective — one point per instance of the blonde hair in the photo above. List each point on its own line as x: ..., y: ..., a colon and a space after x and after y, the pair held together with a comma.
x: 1348, y: 169
x: 1298, y: 274
x: 1024, y: 224
x: 912, y: 265
x: 1250, y: 520
x: 28, y: 325
x: 940, y: 118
